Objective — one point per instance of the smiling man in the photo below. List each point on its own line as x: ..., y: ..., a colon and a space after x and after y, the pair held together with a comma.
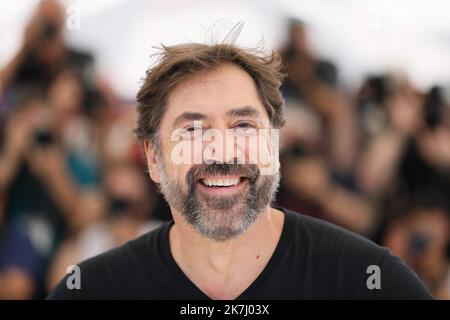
x: 208, y: 115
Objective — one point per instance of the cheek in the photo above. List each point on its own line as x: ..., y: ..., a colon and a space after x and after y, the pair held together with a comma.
x: 185, y: 152
x: 177, y: 172
x: 181, y: 173
x: 262, y: 150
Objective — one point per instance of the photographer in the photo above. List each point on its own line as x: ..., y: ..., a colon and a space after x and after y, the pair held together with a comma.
x: 40, y: 194
x: 421, y: 238
x: 43, y: 54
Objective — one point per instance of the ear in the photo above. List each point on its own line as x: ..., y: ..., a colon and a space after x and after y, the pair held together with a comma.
x: 150, y: 155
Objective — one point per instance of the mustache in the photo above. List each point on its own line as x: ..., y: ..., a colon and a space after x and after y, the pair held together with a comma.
x: 250, y: 171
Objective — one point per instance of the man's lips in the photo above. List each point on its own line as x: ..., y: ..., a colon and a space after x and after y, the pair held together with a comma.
x: 222, y: 185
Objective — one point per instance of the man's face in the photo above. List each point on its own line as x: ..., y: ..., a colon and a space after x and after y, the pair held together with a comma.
x: 216, y: 124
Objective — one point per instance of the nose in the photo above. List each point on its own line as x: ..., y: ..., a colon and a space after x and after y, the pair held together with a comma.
x: 221, y: 146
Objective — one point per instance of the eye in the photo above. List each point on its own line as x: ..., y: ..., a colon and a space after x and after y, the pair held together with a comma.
x: 245, y: 128
x: 191, y: 132
x: 192, y: 129
x: 244, y: 125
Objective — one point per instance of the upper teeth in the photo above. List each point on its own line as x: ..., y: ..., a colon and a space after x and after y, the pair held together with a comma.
x: 221, y: 182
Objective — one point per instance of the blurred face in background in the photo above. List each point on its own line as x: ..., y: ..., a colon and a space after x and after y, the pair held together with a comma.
x: 28, y: 126
x: 48, y: 22
x: 421, y: 239
x: 128, y: 193
x: 298, y: 37
x: 220, y: 200
x: 303, y: 127
x: 431, y: 226
x: 90, y: 209
x: 65, y: 93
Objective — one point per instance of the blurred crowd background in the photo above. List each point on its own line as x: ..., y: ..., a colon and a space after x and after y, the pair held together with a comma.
x: 373, y: 158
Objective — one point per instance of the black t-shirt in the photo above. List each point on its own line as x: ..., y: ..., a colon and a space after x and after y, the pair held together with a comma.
x: 312, y: 260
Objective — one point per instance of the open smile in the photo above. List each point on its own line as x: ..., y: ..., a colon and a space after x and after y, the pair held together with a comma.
x: 222, y: 185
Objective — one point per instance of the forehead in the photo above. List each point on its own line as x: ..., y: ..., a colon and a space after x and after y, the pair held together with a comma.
x: 214, y: 93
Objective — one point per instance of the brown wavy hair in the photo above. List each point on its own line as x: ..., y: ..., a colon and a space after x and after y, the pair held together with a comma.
x: 177, y: 63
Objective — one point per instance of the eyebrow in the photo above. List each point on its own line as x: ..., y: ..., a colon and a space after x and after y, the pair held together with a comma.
x: 246, y: 111
x: 188, y: 116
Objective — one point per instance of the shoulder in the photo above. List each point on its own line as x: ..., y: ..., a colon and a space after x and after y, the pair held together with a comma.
x: 127, y: 254
x: 106, y: 274
x: 334, y: 251
x: 330, y: 238
x: 346, y: 260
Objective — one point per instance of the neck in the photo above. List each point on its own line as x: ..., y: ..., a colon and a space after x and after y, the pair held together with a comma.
x: 194, y: 251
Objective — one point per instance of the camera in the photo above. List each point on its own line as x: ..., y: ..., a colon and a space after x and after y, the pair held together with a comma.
x: 43, y: 137
x: 119, y: 206
x: 433, y: 106
x: 48, y: 29
x: 418, y: 243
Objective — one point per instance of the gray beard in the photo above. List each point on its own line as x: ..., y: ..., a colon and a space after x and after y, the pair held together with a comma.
x: 217, y: 217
